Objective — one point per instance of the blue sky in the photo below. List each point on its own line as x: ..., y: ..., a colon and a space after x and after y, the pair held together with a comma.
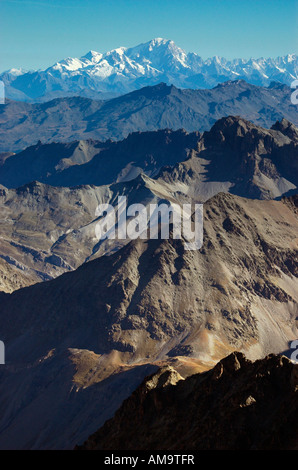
x: 37, y: 33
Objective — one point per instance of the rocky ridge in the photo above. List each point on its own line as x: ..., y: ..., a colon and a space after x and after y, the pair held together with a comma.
x: 237, y: 405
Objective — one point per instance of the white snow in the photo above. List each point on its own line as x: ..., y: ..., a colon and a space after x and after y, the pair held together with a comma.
x: 162, y: 57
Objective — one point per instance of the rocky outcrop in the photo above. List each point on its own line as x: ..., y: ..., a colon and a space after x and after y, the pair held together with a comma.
x: 235, y: 156
x: 239, y: 157
x: 237, y: 405
x: 97, y: 163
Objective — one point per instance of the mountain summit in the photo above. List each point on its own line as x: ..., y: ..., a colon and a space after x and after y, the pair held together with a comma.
x: 123, y: 69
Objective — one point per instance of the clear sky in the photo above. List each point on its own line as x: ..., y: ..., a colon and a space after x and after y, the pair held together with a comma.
x: 37, y: 33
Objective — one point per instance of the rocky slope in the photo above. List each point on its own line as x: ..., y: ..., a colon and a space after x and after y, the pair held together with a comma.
x: 235, y: 155
x: 47, y: 230
x: 14, y: 275
x: 241, y: 284
x: 150, y: 303
x: 125, y: 69
x: 110, y: 162
x: 238, y: 405
x: 148, y: 109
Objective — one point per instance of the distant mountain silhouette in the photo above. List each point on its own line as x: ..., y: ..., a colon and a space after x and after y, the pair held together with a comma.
x: 148, y: 109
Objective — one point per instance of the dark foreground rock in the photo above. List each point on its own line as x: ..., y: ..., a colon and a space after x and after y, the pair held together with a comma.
x: 238, y: 404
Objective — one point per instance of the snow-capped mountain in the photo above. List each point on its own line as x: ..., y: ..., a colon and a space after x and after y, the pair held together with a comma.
x: 124, y: 69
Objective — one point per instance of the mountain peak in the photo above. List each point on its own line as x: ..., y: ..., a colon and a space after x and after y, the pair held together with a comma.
x: 92, y: 55
x: 228, y: 122
x: 122, y: 70
x: 287, y: 128
x: 159, y: 41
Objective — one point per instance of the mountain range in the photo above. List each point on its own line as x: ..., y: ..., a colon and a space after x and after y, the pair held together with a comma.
x: 95, y: 162
x: 102, y: 75
x: 76, y: 346
x: 50, y: 192
x: 151, y: 108
x: 85, y: 320
x: 235, y: 155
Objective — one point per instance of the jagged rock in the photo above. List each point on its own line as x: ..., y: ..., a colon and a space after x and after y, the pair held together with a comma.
x: 238, y: 405
x: 42, y: 223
